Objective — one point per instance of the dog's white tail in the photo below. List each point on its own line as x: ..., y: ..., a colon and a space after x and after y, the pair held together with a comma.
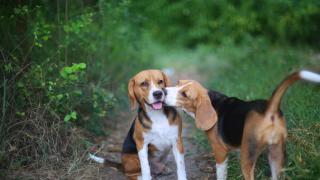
x: 275, y: 100
x: 96, y: 158
x: 106, y: 162
x: 309, y: 76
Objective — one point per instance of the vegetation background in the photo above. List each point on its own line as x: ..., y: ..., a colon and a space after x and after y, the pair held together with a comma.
x: 65, y: 64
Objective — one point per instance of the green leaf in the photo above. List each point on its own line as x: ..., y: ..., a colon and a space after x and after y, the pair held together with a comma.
x: 73, y: 115
x: 59, y: 96
x: 82, y: 65
x: 67, y: 118
x: 45, y: 38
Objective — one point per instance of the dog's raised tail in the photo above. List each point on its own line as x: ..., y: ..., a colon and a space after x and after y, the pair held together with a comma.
x: 275, y: 100
x: 105, y: 161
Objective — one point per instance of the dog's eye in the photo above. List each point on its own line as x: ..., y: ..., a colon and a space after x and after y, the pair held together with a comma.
x: 183, y: 93
x: 160, y: 82
x: 144, y: 84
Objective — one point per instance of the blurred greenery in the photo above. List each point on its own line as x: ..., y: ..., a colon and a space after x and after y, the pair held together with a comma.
x: 252, y: 71
x: 208, y: 22
x: 65, y: 64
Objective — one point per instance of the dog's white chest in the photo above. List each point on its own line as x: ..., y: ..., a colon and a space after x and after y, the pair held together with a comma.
x: 162, y: 134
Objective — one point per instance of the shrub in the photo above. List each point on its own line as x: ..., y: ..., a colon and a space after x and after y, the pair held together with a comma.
x: 201, y: 22
x: 63, y: 64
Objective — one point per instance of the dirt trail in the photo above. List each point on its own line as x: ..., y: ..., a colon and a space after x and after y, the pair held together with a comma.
x: 199, y: 163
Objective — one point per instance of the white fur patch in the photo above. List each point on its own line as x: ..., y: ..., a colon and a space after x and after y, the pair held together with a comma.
x: 96, y: 158
x: 181, y: 171
x: 163, y: 136
x: 171, y: 96
x: 222, y: 170
x: 153, y: 89
x: 145, y: 167
x: 309, y: 76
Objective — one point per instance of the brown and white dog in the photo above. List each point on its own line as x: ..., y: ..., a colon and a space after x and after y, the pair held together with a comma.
x: 154, y: 132
x: 234, y: 124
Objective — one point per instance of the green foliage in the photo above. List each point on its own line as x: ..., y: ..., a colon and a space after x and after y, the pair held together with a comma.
x: 193, y: 22
x: 65, y: 64
x: 71, y: 73
x: 62, y: 64
x: 70, y: 117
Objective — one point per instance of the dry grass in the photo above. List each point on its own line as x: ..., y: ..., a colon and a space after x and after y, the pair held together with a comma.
x: 39, y: 146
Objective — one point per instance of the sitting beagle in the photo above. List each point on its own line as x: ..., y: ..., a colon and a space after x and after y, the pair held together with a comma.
x: 250, y: 126
x: 154, y: 132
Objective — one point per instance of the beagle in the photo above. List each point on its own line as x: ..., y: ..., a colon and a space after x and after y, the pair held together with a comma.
x: 248, y: 126
x: 154, y: 132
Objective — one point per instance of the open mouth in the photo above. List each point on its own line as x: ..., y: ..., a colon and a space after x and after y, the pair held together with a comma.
x: 157, y: 105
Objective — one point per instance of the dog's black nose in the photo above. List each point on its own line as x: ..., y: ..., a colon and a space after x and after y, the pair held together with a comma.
x: 157, y: 94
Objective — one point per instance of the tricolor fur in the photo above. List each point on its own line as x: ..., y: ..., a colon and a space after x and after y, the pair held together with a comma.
x: 154, y: 132
x: 231, y: 123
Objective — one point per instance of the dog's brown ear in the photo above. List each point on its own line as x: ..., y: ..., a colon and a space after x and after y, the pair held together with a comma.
x: 206, y: 116
x: 166, y: 79
x: 132, y: 97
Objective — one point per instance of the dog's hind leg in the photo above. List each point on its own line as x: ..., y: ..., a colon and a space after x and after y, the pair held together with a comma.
x: 131, y: 166
x: 250, y: 151
x: 276, y: 158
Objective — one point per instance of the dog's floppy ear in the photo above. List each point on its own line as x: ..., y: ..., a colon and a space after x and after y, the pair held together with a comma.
x: 166, y: 79
x: 206, y: 116
x: 132, y: 97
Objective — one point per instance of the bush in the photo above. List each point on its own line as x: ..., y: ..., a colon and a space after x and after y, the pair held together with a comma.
x: 63, y: 63
x: 201, y: 22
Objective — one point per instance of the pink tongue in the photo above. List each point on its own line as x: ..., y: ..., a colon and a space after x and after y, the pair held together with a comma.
x: 157, y: 105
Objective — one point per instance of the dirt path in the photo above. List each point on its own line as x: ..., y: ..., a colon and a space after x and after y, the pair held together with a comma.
x: 199, y: 163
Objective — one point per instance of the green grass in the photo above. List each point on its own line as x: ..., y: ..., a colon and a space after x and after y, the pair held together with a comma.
x: 252, y: 71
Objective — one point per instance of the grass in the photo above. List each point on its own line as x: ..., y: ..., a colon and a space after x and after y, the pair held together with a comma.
x: 252, y: 71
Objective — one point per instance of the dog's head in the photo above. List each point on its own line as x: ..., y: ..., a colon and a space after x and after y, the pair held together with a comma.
x: 193, y: 98
x: 147, y: 89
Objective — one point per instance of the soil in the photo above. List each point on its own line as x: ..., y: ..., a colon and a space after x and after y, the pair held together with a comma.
x: 199, y: 163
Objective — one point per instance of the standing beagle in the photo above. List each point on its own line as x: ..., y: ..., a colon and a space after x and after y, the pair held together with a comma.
x: 248, y: 126
x: 154, y: 132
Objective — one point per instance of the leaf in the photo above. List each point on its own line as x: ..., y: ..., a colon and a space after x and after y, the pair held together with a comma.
x: 67, y: 118
x: 82, y: 65
x: 59, y: 96
x: 73, y: 115
x: 45, y: 38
